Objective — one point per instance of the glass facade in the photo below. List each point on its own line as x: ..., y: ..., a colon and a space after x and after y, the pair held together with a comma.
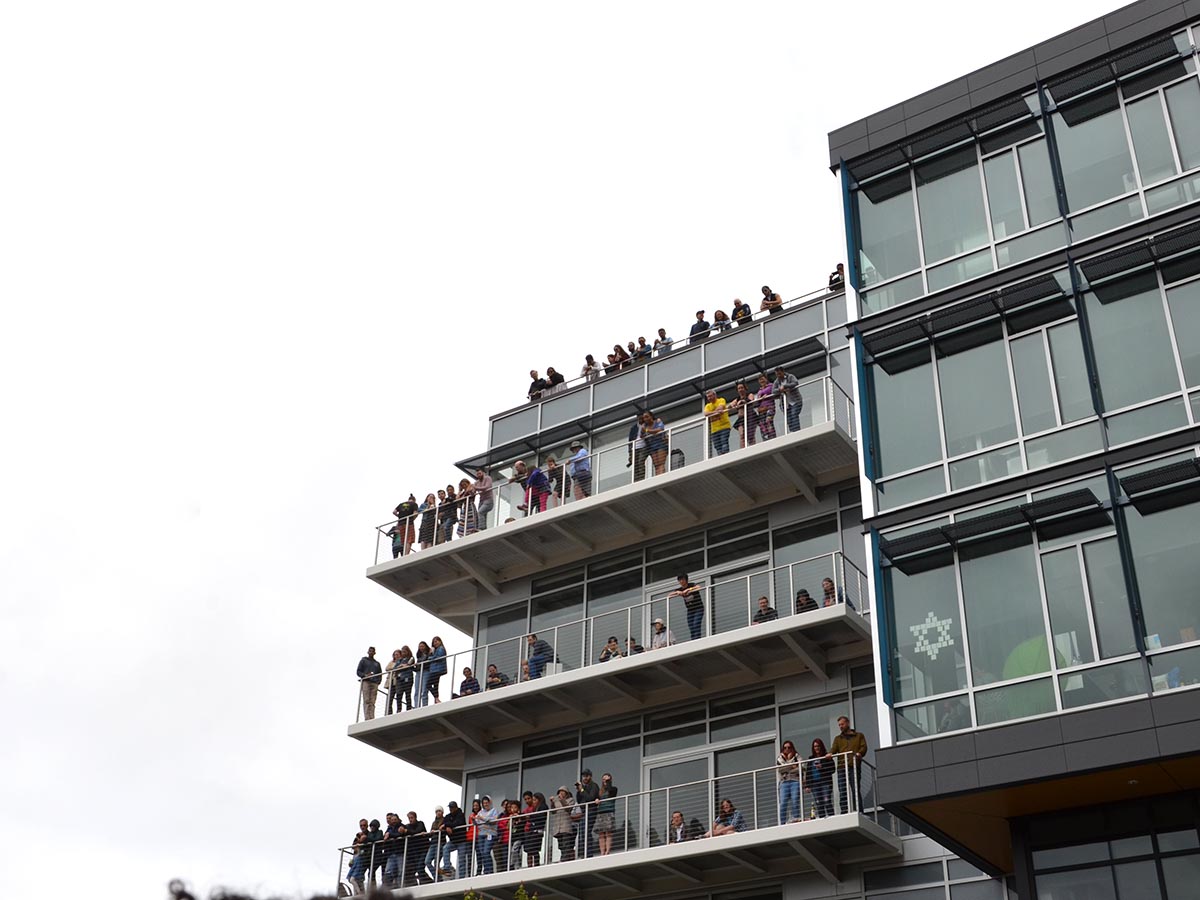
x: 1031, y: 605
x: 1082, y: 369
x: 1124, y: 151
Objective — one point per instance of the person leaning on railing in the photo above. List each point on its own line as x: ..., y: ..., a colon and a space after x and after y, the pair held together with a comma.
x: 403, y: 533
x: 771, y: 302
x: 416, y: 844
x: 428, y: 511
x: 400, y: 680
x: 483, y: 490
x: 848, y: 749
x: 818, y: 779
x: 789, y: 387
x: 789, y: 783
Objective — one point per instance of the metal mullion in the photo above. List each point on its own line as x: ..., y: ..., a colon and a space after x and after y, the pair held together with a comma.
x: 1162, y: 295
x: 912, y: 186
x: 962, y: 618
x: 1139, y: 188
x: 987, y: 209
x: 1012, y: 388
x: 1162, y: 98
x: 1016, y: 161
x: 937, y: 399
x: 1053, y: 382
x: 932, y: 698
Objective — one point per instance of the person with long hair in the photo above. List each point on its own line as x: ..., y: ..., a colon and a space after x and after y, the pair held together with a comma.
x: 818, y: 775
x: 654, y: 433
x: 468, y: 516
x: 422, y: 664
x: 400, y: 679
x: 428, y: 511
x: 789, y: 783
x: 535, y: 828
x: 606, y: 812
x: 436, y: 669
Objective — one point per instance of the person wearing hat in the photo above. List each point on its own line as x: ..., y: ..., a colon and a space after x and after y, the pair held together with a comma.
x: 699, y: 329
x: 611, y: 650
x: 437, y: 857
x: 662, y: 636
x: 579, y: 468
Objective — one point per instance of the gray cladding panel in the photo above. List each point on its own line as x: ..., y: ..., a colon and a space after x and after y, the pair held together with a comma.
x: 1089, y: 740
x: 1051, y: 57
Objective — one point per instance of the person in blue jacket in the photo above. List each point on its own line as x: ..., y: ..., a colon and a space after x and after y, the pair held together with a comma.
x: 435, y: 669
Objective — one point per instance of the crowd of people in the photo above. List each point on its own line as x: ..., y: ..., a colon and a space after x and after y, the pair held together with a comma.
x: 640, y: 351
x: 508, y: 834
x: 411, y: 680
x: 464, y: 510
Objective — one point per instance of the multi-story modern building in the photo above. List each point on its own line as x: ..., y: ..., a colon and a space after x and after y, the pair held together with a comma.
x: 970, y: 529
x: 1025, y: 253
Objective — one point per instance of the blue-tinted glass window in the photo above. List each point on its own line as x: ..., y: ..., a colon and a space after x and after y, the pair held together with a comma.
x: 1150, y: 139
x: 1004, y: 195
x: 905, y: 414
x: 976, y: 394
x: 950, y: 199
x: 1093, y: 150
x: 1040, y: 198
x: 927, y: 638
x: 888, y: 229
x: 1183, y: 102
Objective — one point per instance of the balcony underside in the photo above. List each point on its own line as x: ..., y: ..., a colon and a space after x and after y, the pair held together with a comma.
x: 436, y: 738
x: 447, y: 580
x: 820, y: 846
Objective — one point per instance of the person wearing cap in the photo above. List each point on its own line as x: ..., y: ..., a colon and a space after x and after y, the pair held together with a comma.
x: 662, y: 636
x: 579, y: 468
x: 562, y: 824
x: 370, y: 673
x: 699, y: 329
x: 772, y: 302
x: 717, y: 413
x: 611, y: 650
x: 454, y: 827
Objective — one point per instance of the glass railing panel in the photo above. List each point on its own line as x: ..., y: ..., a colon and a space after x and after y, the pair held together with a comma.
x: 566, y: 408
x: 735, y: 346
x: 613, y: 389
x: 671, y: 368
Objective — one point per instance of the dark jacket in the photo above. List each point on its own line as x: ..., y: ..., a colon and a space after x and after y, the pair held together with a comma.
x: 456, y: 820
x: 369, y: 669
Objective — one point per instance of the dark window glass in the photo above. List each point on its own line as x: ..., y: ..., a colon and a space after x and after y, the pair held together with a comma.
x: 1137, y: 881
x: 499, y: 784
x: 545, y: 775
x: 557, y: 580
x: 1110, y: 603
x: 905, y: 876
x: 960, y: 868
x: 1068, y: 606
x: 550, y: 743
x: 665, y: 571
x: 888, y: 229
x: 977, y: 890
x: 950, y: 199
x: 502, y: 624
x: 905, y: 414
x: 803, y: 724
x: 741, y: 703
x: 1070, y: 373
x: 621, y: 760
x: 1033, y: 384
x: 1181, y: 874
x: 1093, y: 150
x: 1184, y: 301
x: 1040, y: 199
x: 675, y: 547
x: 672, y: 717
x: 927, y: 641
x: 1133, y: 349
x: 748, y: 546
x: 597, y: 734
x: 736, y: 529
x: 923, y: 720
x: 1003, y: 608
x: 1183, y: 102
x: 616, y: 564
x: 1014, y: 701
x: 1004, y: 196
x: 805, y: 540
x: 676, y: 739
x: 1165, y: 555
x: 1081, y: 884
x: 1150, y: 139
x: 741, y: 726
x: 976, y: 396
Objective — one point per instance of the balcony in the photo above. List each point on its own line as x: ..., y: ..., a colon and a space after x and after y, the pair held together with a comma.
x: 689, y: 484
x: 572, y: 679
x: 801, y: 330
x: 831, y: 828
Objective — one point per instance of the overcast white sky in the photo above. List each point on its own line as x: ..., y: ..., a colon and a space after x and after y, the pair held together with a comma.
x: 269, y: 266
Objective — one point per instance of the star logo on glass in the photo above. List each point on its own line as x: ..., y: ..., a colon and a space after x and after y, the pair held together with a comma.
x: 921, y: 633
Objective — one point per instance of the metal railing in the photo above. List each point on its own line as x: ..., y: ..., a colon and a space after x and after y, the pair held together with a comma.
x: 637, y: 357
x: 569, y: 830
x: 718, y: 606
x: 656, y: 450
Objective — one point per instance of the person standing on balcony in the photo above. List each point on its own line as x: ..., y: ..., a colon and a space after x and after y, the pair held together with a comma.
x: 832, y: 596
x: 693, y: 601
x: 393, y: 852
x: 699, y: 328
x: 766, y: 408
x: 848, y: 750
x: 536, y: 484
x: 717, y: 415
x: 662, y: 636
x: 721, y: 321
x: 400, y: 679
x: 470, y: 684
x: 437, y: 856
x: 540, y: 653
x: 416, y: 843
x: 611, y: 650
x: 496, y: 678
x: 772, y: 302
x: 742, y: 313
x: 792, y: 399
x: 454, y: 827
x: 788, y: 763
x: 422, y: 669
x: 537, y: 385
x: 637, y: 450
x: 555, y: 476
x: 436, y: 668
x: 428, y: 511
x: 654, y: 433
x: 622, y: 358
x: 747, y: 421
x: 468, y: 515
x: 642, y: 351
x: 562, y: 826
x: 404, y: 532
x: 837, y: 278
x: 579, y: 467
x: 587, y: 795
x: 486, y: 832
x: 818, y: 778
x: 590, y: 370
x: 606, y: 813
x: 535, y: 829
x: 483, y: 492
x: 662, y: 343
x: 766, y: 613
x: 554, y: 379
x: 369, y: 675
